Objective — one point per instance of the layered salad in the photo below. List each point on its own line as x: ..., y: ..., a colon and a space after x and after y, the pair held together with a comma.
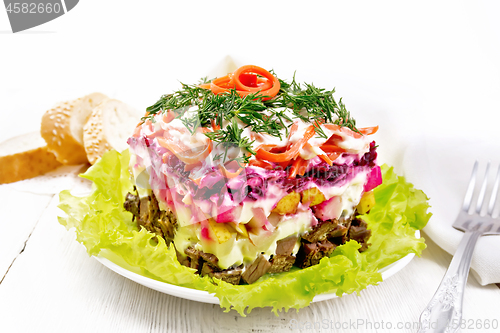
x: 248, y: 175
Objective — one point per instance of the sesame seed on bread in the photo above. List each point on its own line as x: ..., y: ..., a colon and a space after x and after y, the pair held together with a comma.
x: 109, y: 126
x: 62, y: 128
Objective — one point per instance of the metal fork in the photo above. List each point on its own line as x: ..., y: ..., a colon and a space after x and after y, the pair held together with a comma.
x: 444, y: 312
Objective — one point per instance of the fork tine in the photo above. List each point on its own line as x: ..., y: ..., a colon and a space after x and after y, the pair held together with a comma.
x: 494, y: 193
x: 480, y: 198
x: 470, y: 189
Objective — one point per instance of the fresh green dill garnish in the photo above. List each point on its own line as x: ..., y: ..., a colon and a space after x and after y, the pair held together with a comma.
x: 313, y: 104
x: 319, y: 130
x: 230, y: 137
x: 231, y: 113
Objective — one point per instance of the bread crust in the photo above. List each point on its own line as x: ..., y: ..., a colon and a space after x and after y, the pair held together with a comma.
x: 26, y: 164
x: 57, y: 131
x: 95, y: 141
x: 108, y: 127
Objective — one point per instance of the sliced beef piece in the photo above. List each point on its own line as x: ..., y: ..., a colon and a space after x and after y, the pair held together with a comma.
x: 148, y: 215
x: 359, y: 232
x: 281, y: 263
x: 327, y: 229
x: 320, y: 231
x: 207, y: 270
x: 198, y: 258
x: 232, y: 275
x: 148, y: 210
x: 206, y: 264
x: 183, y: 260
x: 256, y: 269
x: 342, y: 229
x: 283, y: 260
x: 210, y: 258
x: 194, y: 259
x: 311, y: 253
x: 340, y: 236
x: 168, y: 224
x: 131, y: 204
x: 285, y: 246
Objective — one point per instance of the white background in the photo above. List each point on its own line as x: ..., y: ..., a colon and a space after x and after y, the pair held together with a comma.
x: 411, y: 67
x: 417, y: 69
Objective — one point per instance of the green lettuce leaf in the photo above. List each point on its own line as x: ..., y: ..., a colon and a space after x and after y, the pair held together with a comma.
x: 105, y: 228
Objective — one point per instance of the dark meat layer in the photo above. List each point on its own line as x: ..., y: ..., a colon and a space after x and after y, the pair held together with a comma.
x: 359, y: 232
x: 311, y: 253
x: 256, y: 269
x: 206, y: 264
x: 326, y: 236
x: 283, y: 260
x: 232, y: 276
x: 318, y: 243
x: 147, y: 214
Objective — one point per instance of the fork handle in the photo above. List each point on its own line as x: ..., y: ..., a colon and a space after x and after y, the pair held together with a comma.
x: 444, y: 312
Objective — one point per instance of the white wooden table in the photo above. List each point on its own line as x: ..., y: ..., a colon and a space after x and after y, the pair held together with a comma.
x: 410, y: 67
x: 50, y: 284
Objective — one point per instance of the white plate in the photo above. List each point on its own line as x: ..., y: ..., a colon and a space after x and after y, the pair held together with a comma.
x: 203, y: 296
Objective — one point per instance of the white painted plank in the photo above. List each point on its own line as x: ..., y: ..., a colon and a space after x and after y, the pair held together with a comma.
x: 19, y: 214
x: 55, y: 287
x: 22, y: 204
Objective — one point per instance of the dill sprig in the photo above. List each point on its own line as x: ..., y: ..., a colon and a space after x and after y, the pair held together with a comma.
x: 312, y: 104
x: 232, y: 113
x: 230, y: 137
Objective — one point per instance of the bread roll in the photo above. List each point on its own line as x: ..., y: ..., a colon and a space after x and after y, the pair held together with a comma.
x: 62, y: 128
x: 109, y: 126
x: 24, y: 157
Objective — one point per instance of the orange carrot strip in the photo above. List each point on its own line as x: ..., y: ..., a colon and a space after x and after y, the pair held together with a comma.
x: 295, y: 167
x: 298, y: 167
x: 252, y: 81
x: 137, y: 131
x: 333, y: 156
x: 229, y: 174
x: 284, y: 164
x: 264, y: 83
x: 268, y: 86
x: 303, y: 167
x: 215, y: 127
x: 271, y: 92
x: 219, y: 85
x: 243, y: 82
x: 291, y: 153
x: 248, y: 80
x: 260, y: 163
x: 204, y: 85
x: 333, y: 139
x: 368, y: 130
x: 189, y: 167
x: 265, y: 146
x: 329, y: 148
x: 169, y: 116
x: 325, y: 158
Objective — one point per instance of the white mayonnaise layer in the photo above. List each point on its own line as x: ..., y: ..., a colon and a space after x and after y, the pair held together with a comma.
x: 236, y: 250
